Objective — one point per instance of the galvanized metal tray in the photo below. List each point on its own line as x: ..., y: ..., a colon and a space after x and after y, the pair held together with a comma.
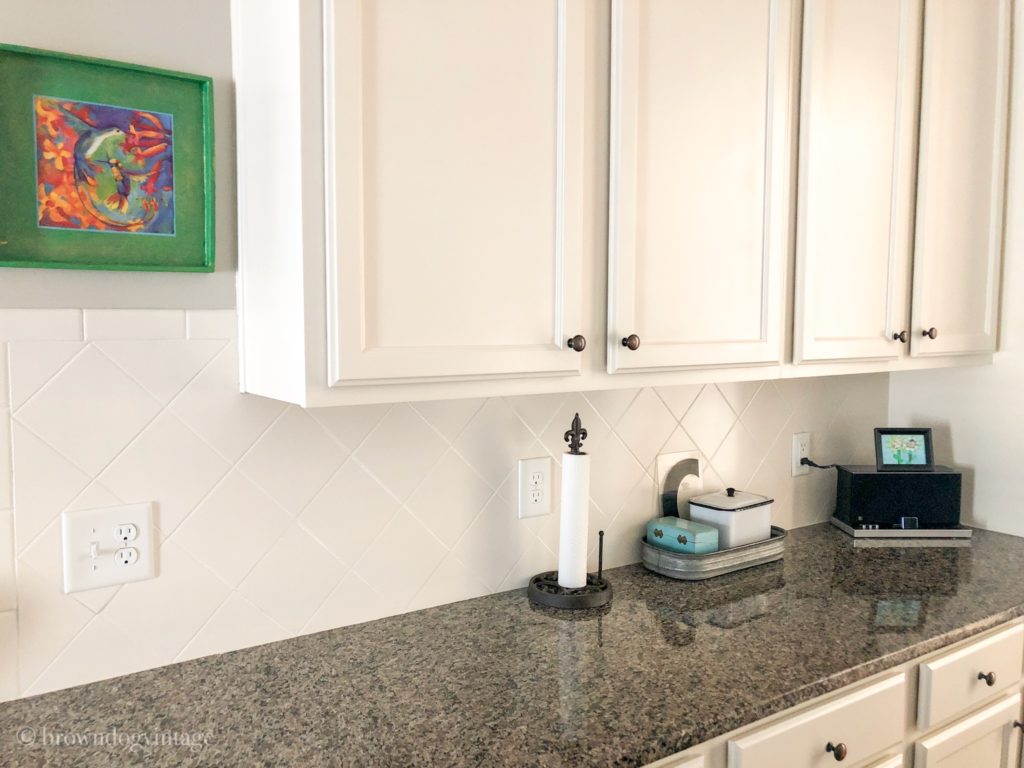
x: 676, y: 565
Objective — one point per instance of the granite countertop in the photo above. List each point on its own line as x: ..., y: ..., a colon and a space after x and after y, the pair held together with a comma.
x: 495, y: 682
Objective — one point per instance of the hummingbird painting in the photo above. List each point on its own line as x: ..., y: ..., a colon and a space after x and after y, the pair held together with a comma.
x: 104, y: 167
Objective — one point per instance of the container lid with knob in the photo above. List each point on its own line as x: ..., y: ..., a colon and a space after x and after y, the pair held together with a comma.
x: 731, y: 500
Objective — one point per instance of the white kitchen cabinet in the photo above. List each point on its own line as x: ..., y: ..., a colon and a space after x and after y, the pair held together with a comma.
x: 986, y: 739
x: 428, y: 157
x: 961, y: 176
x: 454, y: 133
x: 866, y: 223
x: 956, y: 682
x: 858, y: 726
x: 858, y: 141
x: 702, y: 96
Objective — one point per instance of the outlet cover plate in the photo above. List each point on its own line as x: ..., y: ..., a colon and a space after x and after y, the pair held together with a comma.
x: 535, y: 487
x: 801, y: 450
x: 83, y: 528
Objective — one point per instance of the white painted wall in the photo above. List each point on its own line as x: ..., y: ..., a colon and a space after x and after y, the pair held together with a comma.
x: 978, y: 413
x: 182, y: 35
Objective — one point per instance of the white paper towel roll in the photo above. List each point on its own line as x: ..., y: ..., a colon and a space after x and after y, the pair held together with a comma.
x: 572, y: 532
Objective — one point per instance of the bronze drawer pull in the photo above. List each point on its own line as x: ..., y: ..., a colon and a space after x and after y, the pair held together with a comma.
x: 838, y: 751
x: 902, y: 336
x: 931, y: 333
x: 577, y: 343
x: 631, y: 342
x: 990, y: 678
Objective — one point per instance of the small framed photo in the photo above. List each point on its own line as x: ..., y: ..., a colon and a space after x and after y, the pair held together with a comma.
x: 904, y: 449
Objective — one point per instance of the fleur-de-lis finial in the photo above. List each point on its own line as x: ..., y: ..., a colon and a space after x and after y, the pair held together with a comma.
x: 575, y: 436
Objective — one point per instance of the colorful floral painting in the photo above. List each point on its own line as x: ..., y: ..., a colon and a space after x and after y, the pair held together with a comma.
x: 903, y: 449
x: 102, y: 167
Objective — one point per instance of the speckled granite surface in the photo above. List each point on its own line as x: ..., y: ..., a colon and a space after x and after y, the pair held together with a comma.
x: 492, y: 682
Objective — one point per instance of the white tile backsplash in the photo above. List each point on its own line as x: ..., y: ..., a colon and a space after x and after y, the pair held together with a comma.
x: 280, y: 521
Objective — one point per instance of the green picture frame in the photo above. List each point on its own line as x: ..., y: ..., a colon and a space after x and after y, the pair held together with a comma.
x: 104, y: 165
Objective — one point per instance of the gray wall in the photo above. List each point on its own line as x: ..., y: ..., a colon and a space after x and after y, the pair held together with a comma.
x: 184, y: 35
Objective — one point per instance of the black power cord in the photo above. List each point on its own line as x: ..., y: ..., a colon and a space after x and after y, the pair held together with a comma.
x: 807, y: 462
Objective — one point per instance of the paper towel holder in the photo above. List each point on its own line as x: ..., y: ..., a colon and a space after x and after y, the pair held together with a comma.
x: 545, y: 590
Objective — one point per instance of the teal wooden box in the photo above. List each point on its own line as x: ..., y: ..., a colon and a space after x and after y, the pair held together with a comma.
x: 678, y: 535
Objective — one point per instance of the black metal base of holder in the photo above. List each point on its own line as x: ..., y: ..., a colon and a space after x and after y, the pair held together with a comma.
x: 545, y: 590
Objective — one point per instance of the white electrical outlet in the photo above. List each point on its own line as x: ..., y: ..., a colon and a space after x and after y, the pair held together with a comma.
x: 97, y: 552
x: 801, y: 450
x: 534, y: 487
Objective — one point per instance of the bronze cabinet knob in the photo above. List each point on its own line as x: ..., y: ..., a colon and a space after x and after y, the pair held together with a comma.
x: 902, y: 336
x: 838, y: 751
x: 631, y: 342
x: 577, y: 343
x: 990, y: 678
x: 1018, y: 724
x: 931, y: 333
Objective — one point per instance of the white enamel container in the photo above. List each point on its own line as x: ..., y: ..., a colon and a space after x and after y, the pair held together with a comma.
x: 740, y: 517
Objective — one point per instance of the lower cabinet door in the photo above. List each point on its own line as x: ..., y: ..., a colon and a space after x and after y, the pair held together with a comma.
x: 986, y: 739
x: 853, y: 728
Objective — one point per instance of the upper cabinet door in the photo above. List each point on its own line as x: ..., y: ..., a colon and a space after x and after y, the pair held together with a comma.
x: 454, y: 183
x: 701, y: 161
x: 856, y: 190
x: 964, y: 102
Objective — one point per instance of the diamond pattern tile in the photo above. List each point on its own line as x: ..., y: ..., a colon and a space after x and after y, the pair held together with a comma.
x: 168, y: 464
x: 46, y: 483
x: 433, y: 483
x: 232, y: 528
x: 89, y: 411
x: 162, y: 367
x: 611, y: 404
x: 211, y: 406
x: 401, y: 450
x: 37, y: 363
x: 349, y: 513
x: 449, y: 499
x: 406, y: 556
x: 292, y: 579
x: 293, y: 459
x: 449, y: 417
x: 645, y: 426
x: 493, y: 441
x: 154, y: 610
x: 236, y: 624
x: 709, y: 420
x: 350, y: 424
x: 739, y: 393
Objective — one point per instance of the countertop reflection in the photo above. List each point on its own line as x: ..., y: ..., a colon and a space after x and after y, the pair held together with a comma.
x: 495, y: 682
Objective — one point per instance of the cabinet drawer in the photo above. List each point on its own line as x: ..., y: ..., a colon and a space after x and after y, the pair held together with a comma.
x: 863, y: 723
x: 950, y: 685
x: 986, y: 739
x: 890, y: 762
x: 678, y: 762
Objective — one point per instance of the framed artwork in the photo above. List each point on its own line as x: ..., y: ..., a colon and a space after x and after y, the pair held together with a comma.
x: 903, y: 450
x: 104, y: 165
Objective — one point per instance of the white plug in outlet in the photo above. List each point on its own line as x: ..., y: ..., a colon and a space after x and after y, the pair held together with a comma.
x: 96, y: 552
x: 126, y: 556
x: 801, y: 450
x: 534, y: 487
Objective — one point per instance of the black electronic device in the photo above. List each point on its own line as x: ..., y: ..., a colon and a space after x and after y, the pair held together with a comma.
x: 868, y: 499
